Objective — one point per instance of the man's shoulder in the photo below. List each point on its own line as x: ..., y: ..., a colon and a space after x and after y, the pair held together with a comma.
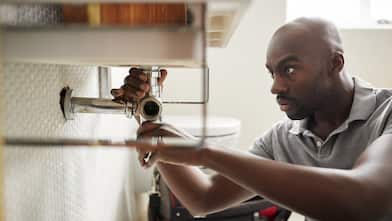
x: 380, y: 108
x: 368, y: 95
x: 382, y: 94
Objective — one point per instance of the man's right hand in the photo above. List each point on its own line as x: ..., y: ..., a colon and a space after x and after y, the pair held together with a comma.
x: 164, y: 152
x: 135, y: 86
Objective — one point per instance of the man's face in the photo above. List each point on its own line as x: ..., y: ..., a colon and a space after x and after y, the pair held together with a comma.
x: 298, y: 75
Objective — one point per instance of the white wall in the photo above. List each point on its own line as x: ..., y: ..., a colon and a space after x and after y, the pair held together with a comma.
x: 368, y: 55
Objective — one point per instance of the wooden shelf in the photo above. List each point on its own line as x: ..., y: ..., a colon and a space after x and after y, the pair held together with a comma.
x: 124, y: 46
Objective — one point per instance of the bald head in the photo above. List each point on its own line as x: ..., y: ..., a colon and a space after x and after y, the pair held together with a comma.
x: 319, y: 30
x: 311, y: 34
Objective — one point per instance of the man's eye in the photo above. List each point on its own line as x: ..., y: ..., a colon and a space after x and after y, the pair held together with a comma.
x: 289, y: 70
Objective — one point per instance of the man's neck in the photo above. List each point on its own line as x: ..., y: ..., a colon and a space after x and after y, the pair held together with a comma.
x: 335, y: 111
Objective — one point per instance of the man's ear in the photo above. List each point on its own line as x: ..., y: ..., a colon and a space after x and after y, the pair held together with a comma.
x: 337, y: 62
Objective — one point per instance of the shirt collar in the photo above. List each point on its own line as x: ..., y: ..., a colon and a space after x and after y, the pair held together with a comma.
x: 364, y: 104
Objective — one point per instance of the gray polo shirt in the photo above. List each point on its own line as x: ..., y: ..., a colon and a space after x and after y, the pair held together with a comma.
x: 370, y: 117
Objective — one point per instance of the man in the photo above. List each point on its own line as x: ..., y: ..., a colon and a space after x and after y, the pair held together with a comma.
x: 329, y: 161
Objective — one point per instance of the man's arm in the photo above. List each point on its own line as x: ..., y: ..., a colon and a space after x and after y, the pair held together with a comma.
x: 362, y: 193
x: 199, y: 193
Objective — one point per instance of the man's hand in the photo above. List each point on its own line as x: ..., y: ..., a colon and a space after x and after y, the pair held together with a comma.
x: 135, y: 86
x: 163, y: 152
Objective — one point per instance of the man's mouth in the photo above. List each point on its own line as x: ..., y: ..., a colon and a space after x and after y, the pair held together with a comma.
x: 284, y: 103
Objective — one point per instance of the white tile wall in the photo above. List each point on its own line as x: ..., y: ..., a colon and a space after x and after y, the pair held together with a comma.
x: 56, y: 183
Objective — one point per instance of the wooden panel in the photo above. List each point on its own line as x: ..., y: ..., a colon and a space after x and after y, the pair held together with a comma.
x: 74, y: 13
x: 133, y: 14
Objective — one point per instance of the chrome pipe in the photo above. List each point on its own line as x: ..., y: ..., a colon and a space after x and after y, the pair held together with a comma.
x: 97, y: 105
x: 73, y: 105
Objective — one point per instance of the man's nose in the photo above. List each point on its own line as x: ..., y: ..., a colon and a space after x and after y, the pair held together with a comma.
x: 279, y: 85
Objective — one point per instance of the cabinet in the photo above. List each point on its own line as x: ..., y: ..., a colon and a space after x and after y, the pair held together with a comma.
x: 121, y: 45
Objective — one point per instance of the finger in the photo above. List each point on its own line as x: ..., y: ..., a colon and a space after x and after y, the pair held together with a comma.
x: 156, y: 131
x: 144, y: 145
x: 118, y: 95
x: 153, y: 131
x: 163, y: 77
x: 146, y: 128
x: 137, y: 84
x: 117, y: 92
x: 132, y: 93
x: 138, y: 74
x: 119, y: 100
x: 136, y: 77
